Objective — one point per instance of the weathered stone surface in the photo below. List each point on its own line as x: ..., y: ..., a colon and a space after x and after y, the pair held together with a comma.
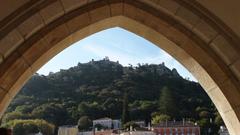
x: 52, y: 12
x: 79, y: 22
x: 153, y: 3
x: 10, y: 42
x: 56, y: 35
x: 235, y: 67
x: 173, y: 34
x: 169, y: 5
x: 31, y: 25
x: 2, y: 94
x: 237, y: 111
x: 206, y: 61
x: 73, y: 4
x: 23, y: 78
x: 99, y: 13
x: 9, y: 6
x: 231, y: 92
x: 116, y: 9
x: 39, y: 48
x: 231, y: 122
x: 225, y: 100
x: 12, y: 72
x: 205, y: 31
x: 4, y: 102
x: 187, y: 18
x: 133, y: 12
x: 200, y: 74
x: 219, y: 100
x: 167, y: 23
x: 96, y: 27
x: 1, y: 58
x: 224, y: 49
x: 193, y: 67
x: 89, y: 1
x: 146, y: 18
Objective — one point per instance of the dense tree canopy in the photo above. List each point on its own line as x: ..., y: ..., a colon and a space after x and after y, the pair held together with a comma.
x: 125, y: 111
x: 96, y: 89
x: 160, y: 118
x: 167, y: 103
x: 54, y: 113
x: 84, y: 123
x: 24, y: 127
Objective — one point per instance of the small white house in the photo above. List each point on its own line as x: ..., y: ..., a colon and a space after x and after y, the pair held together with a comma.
x: 108, y: 123
x: 85, y: 133
x: 138, y: 133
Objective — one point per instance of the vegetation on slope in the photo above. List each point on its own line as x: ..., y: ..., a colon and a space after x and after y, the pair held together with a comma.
x: 107, y: 89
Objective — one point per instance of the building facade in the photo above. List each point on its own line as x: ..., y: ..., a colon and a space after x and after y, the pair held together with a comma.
x: 85, y: 133
x: 139, y: 133
x: 108, y: 123
x: 104, y: 132
x: 68, y: 130
x: 176, y: 128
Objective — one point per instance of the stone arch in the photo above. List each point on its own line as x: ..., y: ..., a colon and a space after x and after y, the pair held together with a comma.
x: 197, y: 39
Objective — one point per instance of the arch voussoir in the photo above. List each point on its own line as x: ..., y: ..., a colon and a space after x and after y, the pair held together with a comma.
x: 208, y: 50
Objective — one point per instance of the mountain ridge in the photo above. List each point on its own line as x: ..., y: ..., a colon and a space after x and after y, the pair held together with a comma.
x: 96, y: 89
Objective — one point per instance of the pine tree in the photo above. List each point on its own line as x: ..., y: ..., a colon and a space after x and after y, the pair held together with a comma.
x: 125, y: 111
x: 166, y: 103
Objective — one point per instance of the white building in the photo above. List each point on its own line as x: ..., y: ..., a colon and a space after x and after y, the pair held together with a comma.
x: 108, y: 123
x: 68, y: 130
x: 103, y: 132
x: 140, y: 123
x: 138, y: 133
x: 85, y: 133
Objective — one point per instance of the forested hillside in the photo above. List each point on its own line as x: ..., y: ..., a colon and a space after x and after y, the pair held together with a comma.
x: 97, y: 89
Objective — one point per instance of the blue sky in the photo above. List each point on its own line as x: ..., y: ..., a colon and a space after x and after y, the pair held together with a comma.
x: 119, y: 45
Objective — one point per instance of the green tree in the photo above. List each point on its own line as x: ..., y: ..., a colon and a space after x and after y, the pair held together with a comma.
x: 13, y: 115
x: 90, y: 109
x: 204, y: 114
x: 24, y: 109
x: 45, y: 127
x: 54, y: 113
x: 125, y: 111
x: 84, y: 123
x: 167, y: 103
x: 204, y: 124
x: 160, y: 118
x: 218, y: 120
x: 22, y: 127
